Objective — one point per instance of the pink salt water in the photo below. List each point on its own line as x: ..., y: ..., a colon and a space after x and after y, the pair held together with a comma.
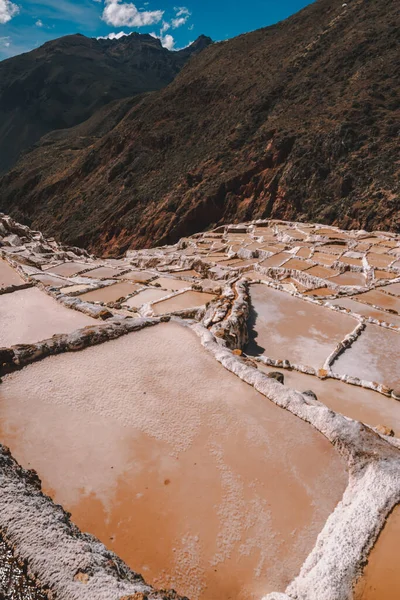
x: 393, y: 288
x: 374, y: 356
x: 380, y: 299
x: 287, y: 327
x: 355, y: 402
x: 183, y: 301
x: 385, y: 274
x: 303, y: 252
x: 325, y: 259
x: 139, y: 276
x: 322, y: 272
x: 146, y: 296
x: 68, y: 269
x: 103, y: 273
x: 323, y: 291
x: 190, y: 273
x: 276, y: 260
x: 167, y: 283
x: 298, y: 264
x: 381, y: 577
x: 8, y: 276
x: 139, y: 438
x: 30, y: 315
x: 350, y: 260
x: 349, y: 278
x: 50, y: 280
x: 379, y: 260
x: 367, y: 311
x: 111, y: 293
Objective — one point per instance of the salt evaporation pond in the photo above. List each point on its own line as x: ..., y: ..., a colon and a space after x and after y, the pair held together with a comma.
x: 8, y: 276
x: 366, y: 360
x: 28, y: 316
x: 355, y: 402
x: 381, y: 577
x: 110, y: 293
x: 287, y: 327
x: 143, y: 453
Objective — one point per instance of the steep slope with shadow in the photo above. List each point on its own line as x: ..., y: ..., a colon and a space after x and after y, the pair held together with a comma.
x: 65, y: 81
x: 296, y: 121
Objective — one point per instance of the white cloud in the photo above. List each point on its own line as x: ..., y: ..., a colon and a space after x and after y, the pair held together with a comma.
x: 182, y: 11
x: 167, y: 41
x: 120, y: 14
x: 39, y: 23
x: 164, y: 28
x: 182, y: 15
x: 113, y: 36
x: 8, y: 10
x: 5, y: 42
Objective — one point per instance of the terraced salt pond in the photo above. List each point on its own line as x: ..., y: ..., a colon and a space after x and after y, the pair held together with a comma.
x: 365, y: 359
x: 366, y: 310
x: 287, y: 327
x: 186, y: 300
x: 8, y: 276
x: 30, y: 315
x: 381, y: 577
x: 146, y: 296
x: 68, y: 269
x: 144, y: 455
x: 110, y: 293
x: 355, y: 402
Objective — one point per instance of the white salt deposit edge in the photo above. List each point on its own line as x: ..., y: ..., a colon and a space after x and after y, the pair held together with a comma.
x: 334, y: 564
x: 76, y: 566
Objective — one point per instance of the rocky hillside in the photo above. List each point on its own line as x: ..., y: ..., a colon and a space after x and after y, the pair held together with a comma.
x: 296, y: 121
x: 65, y: 81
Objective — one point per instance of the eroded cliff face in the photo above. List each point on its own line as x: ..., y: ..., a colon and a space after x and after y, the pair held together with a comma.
x: 299, y: 120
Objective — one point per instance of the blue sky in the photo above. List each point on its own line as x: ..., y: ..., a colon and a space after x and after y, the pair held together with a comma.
x: 26, y: 24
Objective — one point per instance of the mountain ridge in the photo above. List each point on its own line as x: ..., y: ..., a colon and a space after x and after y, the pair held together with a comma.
x: 63, y: 83
x: 295, y: 121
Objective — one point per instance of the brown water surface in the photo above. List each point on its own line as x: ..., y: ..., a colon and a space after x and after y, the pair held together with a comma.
x: 111, y: 293
x: 297, y: 263
x: 8, y: 276
x: 103, y: 273
x: 380, y: 299
x: 325, y: 259
x: 50, y: 280
x: 381, y: 577
x: 379, y: 260
x: 167, y: 283
x: 374, y: 356
x: 322, y: 272
x: 30, y: 315
x: 146, y: 296
x: 351, y: 278
x: 139, y: 276
x: 287, y: 327
x: 183, y: 301
x: 68, y: 269
x: 355, y: 402
x: 276, y: 260
x: 367, y: 311
x: 393, y: 288
x: 139, y: 439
